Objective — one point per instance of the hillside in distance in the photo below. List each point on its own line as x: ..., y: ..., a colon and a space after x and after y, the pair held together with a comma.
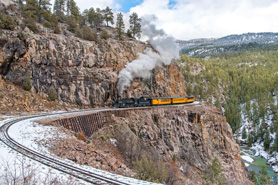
x: 231, y: 43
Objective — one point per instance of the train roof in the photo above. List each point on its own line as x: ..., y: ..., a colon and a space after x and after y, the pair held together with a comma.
x: 152, y: 98
x: 170, y: 97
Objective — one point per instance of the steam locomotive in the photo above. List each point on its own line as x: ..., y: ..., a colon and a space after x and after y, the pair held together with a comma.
x: 144, y: 102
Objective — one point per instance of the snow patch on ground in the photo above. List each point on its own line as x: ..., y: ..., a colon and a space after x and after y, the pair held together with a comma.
x: 259, y: 150
x: 14, y: 167
x: 29, y: 133
x: 258, y: 147
x: 247, y: 158
x: 113, y: 141
x: 275, y: 168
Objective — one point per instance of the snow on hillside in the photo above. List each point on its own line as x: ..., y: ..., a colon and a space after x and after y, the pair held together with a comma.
x: 199, y: 47
x: 30, y: 134
x: 258, y: 146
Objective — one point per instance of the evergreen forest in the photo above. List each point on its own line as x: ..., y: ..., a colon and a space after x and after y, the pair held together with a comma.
x: 67, y: 19
x: 243, y: 85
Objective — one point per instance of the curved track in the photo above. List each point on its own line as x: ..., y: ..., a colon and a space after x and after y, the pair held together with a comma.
x: 55, y: 163
x: 50, y: 161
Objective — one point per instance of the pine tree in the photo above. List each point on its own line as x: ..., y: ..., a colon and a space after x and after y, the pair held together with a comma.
x: 189, y: 89
x: 95, y: 17
x: 31, y: 10
x: 59, y: 9
x: 54, y: 24
x: 84, y: 18
x: 108, y: 16
x: 250, y: 139
x: 244, y: 133
x: 90, y: 15
x: 217, y: 102
x: 267, y: 140
x: 98, y: 19
x: 120, y: 26
x: 215, y: 174
x: 135, y: 25
x: 275, y: 146
x: 72, y: 9
x: 264, y: 177
x: 44, y: 10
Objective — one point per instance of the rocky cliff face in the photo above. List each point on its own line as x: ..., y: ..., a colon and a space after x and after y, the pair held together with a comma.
x: 188, y: 138
x: 80, y: 71
x: 185, y: 139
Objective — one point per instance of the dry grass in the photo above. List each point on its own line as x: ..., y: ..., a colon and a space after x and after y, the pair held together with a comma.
x: 22, y: 170
x: 81, y: 136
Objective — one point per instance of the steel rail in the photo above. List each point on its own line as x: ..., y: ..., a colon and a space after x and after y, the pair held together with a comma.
x: 57, y: 164
x: 79, y: 173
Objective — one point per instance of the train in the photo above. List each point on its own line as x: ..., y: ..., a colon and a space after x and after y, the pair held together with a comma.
x: 145, y: 102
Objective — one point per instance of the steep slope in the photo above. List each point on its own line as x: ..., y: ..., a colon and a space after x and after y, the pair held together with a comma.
x: 189, y: 145
x: 81, y: 72
x: 14, y: 100
x: 181, y: 140
x: 78, y: 71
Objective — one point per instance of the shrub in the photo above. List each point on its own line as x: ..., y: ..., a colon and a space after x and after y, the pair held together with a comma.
x: 52, y: 94
x: 215, y: 173
x: 47, y: 24
x: 87, y: 34
x: 7, y: 22
x: 129, y: 33
x: 54, y: 24
x: 147, y: 169
x: 72, y: 22
x: 174, y: 158
x: 57, y: 30
x: 27, y: 84
x: 102, y: 137
x: 31, y: 24
x: 104, y: 35
x: 21, y: 36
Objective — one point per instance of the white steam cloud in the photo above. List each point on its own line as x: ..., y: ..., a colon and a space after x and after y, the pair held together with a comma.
x: 142, y: 67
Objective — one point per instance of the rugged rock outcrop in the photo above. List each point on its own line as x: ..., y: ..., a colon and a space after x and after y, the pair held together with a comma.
x: 14, y: 100
x: 81, y: 72
x: 188, y: 138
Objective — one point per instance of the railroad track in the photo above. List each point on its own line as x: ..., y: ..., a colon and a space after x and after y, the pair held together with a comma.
x: 55, y: 163
x: 60, y: 165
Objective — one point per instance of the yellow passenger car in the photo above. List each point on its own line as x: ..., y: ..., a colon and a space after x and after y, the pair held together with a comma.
x: 161, y: 101
x: 176, y: 100
x: 190, y: 99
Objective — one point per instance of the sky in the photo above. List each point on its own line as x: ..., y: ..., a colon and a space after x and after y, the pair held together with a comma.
x: 190, y: 19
